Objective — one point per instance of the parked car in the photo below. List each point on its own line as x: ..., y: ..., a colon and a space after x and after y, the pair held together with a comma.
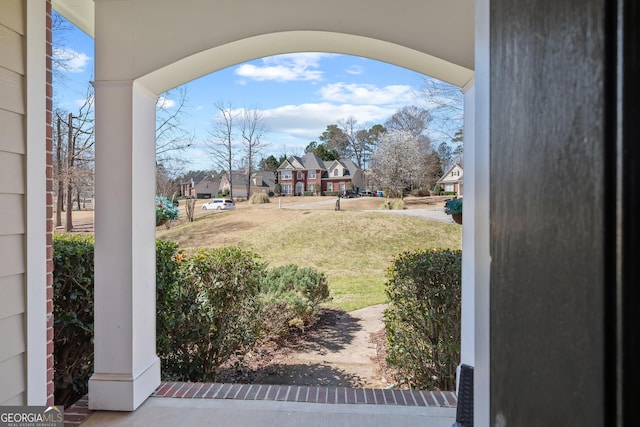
x: 219, y: 205
x: 348, y: 194
x: 366, y: 193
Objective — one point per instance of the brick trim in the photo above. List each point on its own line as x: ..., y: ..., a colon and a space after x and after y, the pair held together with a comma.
x: 49, y: 203
x: 79, y: 411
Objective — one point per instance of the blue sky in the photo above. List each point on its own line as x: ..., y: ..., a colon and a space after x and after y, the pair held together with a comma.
x: 298, y: 94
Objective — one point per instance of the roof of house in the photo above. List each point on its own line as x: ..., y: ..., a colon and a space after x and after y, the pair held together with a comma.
x: 446, y: 174
x: 239, y: 178
x: 311, y: 161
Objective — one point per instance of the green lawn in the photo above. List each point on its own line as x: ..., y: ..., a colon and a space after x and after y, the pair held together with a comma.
x: 353, y: 249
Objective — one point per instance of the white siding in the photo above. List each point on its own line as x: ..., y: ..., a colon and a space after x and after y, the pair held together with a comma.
x: 12, y: 209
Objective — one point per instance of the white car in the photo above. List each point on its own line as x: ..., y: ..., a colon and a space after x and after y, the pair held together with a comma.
x: 218, y: 205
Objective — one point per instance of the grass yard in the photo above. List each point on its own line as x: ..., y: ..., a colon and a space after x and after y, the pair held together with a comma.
x: 353, y: 248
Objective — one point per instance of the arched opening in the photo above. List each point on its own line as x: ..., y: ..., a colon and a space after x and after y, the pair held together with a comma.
x: 124, y: 104
x: 343, y: 264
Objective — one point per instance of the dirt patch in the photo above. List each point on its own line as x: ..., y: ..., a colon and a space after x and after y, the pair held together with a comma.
x: 341, y: 349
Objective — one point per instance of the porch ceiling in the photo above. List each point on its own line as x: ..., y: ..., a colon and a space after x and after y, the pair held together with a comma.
x: 433, y: 37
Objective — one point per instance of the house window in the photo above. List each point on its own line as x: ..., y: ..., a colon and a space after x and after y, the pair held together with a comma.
x: 299, y: 175
x: 335, y: 172
x: 286, y: 188
x: 286, y: 175
x: 311, y: 187
x: 330, y: 186
x: 311, y: 175
x: 342, y: 187
x: 449, y: 187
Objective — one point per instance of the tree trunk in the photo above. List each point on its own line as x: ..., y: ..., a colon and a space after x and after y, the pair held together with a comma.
x: 69, y: 220
x: 60, y: 199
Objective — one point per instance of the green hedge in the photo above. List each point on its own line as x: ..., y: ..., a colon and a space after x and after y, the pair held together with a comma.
x: 290, y: 297
x: 422, y: 321
x: 211, y: 305
x: 73, y: 316
x: 214, y: 313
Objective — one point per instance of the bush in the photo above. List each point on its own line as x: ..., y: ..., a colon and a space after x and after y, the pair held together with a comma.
x: 165, y: 210
x: 422, y: 321
x: 420, y: 192
x: 397, y: 204
x: 214, y: 313
x: 330, y: 193
x: 259, y: 198
x: 169, y: 276
x: 309, y: 193
x: 277, y: 189
x: 73, y: 316
x: 291, y: 297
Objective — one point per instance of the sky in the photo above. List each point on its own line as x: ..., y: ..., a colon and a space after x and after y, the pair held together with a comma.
x: 299, y: 94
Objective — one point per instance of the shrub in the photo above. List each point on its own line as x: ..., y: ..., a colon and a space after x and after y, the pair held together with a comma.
x: 422, y: 321
x: 420, y: 192
x: 277, y: 189
x: 437, y: 189
x: 397, y: 204
x: 73, y: 316
x: 169, y: 276
x: 259, y: 198
x: 291, y: 297
x: 308, y: 193
x: 214, y: 313
x: 330, y: 193
x: 165, y: 210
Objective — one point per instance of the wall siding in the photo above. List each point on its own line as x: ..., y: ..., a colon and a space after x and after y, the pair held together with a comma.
x: 12, y: 209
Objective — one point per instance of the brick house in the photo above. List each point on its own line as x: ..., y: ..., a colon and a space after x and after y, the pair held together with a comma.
x: 311, y: 174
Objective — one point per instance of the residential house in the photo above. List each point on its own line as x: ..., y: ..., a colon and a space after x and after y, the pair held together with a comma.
x: 208, y: 187
x: 261, y: 182
x: 311, y: 175
x: 549, y: 284
x: 452, y: 180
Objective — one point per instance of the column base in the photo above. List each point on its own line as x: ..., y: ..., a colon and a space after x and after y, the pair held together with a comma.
x: 122, y: 392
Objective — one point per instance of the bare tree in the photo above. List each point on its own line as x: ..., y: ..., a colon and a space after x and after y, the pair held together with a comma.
x: 356, y: 138
x: 445, y: 105
x: 223, y: 146
x: 74, y: 139
x: 396, y: 161
x: 171, y: 134
x: 252, y: 129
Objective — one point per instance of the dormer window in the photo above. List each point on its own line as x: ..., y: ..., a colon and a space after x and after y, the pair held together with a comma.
x: 335, y: 172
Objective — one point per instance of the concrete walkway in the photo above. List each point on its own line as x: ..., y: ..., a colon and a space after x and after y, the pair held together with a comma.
x: 160, y: 412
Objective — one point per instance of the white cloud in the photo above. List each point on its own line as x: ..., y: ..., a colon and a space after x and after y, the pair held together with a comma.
x: 367, y: 94
x: 283, y: 68
x: 165, y: 103
x: 355, y: 70
x: 308, y: 121
x: 69, y: 60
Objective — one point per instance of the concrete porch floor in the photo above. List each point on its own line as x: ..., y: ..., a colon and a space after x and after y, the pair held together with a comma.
x: 160, y: 412
x: 222, y: 405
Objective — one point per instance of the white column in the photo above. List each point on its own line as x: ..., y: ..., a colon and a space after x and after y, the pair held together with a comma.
x: 36, y: 195
x: 127, y: 369
x: 482, y: 256
x: 468, y: 233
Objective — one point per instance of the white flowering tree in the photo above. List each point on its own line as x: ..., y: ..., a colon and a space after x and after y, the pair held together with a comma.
x: 397, y: 161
